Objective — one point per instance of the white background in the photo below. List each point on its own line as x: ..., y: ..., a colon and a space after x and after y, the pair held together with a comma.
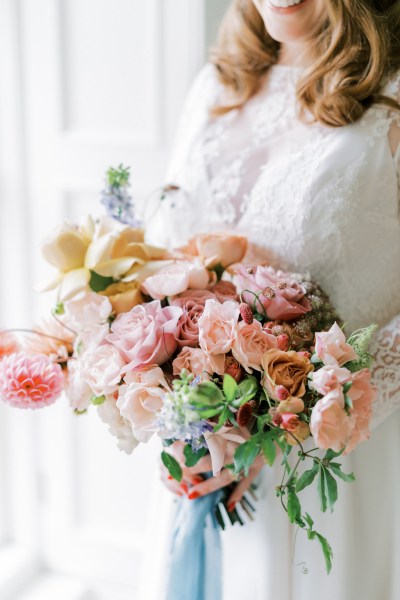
x: 84, y: 84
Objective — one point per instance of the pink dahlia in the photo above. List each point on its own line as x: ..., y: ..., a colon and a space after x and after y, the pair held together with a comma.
x: 30, y: 381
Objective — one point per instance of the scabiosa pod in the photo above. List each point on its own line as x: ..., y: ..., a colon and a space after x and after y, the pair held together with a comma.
x: 30, y: 381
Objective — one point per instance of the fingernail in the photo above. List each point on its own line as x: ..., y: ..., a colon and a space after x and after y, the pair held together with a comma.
x: 231, y: 506
x: 184, y: 487
x: 170, y: 477
x: 194, y: 495
x: 196, y: 480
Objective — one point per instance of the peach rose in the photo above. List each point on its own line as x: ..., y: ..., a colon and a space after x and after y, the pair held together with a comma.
x: 140, y: 400
x: 362, y: 394
x: 123, y: 296
x: 331, y: 347
x: 220, y: 249
x: 217, y: 330
x: 250, y: 344
x: 175, y: 278
x: 285, y: 368
x: 194, y: 360
x: 328, y: 378
x: 330, y: 425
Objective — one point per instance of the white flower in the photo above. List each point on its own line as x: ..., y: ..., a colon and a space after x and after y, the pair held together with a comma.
x: 118, y: 426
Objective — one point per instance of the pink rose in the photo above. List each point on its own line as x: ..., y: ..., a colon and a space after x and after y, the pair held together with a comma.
x: 279, y: 296
x: 328, y: 378
x: 176, y: 278
x: 289, y: 421
x: 91, y: 309
x: 192, y: 304
x: 330, y: 425
x: 194, y: 360
x: 146, y: 334
x: 251, y: 342
x: 362, y: 394
x: 224, y: 290
x: 331, y: 347
x: 140, y: 402
x: 102, y: 368
x: 217, y: 330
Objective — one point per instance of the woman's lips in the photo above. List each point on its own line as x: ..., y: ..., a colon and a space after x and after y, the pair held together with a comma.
x: 284, y: 10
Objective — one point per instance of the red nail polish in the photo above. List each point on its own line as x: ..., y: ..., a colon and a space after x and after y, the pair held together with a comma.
x: 194, y: 495
x: 231, y: 506
x: 170, y: 477
x: 196, y: 480
x: 184, y: 487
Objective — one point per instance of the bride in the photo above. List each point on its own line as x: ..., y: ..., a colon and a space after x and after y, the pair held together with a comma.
x: 291, y: 135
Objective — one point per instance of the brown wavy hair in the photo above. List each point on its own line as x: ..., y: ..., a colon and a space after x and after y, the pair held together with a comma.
x: 356, y: 47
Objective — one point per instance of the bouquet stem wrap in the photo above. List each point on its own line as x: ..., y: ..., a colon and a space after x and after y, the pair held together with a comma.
x: 196, y: 559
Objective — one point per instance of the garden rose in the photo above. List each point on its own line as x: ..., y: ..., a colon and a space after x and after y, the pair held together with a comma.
x: 362, y: 394
x: 176, y: 277
x: 192, y: 303
x: 233, y: 368
x: 224, y: 290
x: 102, y: 368
x: 220, y: 248
x: 118, y: 426
x: 285, y: 368
x: 279, y: 296
x: 289, y: 421
x: 217, y: 329
x: 78, y: 391
x: 89, y: 310
x: 250, y: 344
x: 330, y: 425
x: 139, y: 403
x: 331, y: 347
x: 146, y: 334
x: 328, y: 378
x: 195, y: 361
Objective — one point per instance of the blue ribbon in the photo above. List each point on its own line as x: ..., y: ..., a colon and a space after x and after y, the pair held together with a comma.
x: 196, y: 560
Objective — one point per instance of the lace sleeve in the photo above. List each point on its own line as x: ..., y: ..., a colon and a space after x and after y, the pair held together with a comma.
x: 386, y: 345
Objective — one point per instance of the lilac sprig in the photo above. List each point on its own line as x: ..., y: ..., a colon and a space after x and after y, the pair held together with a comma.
x: 117, y: 199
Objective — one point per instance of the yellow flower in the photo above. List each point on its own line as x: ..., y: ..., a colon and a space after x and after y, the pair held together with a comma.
x: 123, y: 296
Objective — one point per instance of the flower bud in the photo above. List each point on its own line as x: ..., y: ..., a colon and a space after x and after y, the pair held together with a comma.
x: 281, y: 393
x: 246, y: 313
x: 233, y: 368
x: 283, y: 341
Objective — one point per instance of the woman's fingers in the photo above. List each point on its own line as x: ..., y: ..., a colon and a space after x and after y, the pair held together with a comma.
x: 245, y: 483
x: 211, y: 485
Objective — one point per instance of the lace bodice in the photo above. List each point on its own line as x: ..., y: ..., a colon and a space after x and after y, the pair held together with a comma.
x: 309, y: 197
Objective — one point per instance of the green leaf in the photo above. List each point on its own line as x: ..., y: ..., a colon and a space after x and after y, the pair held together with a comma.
x: 309, y: 520
x: 97, y: 400
x: 269, y: 449
x: 98, y: 283
x: 246, y: 390
x: 348, y: 477
x: 207, y: 394
x: 222, y: 419
x: 332, y: 454
x: 245, y: 455
x: 172, y: 465
x: 331, y: 488
x: 230, y: 388
x: 191, y: 457
x: 327, y: 550
x: 347, y: 386
x: 321, y: 488
x: 307, y: 478
x: 293, y: 506
x: 119, y: 177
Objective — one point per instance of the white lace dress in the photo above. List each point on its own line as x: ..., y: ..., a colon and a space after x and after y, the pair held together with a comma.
x: 324, y: 200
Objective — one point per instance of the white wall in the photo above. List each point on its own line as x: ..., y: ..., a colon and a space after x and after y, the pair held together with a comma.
x: 83, y: 85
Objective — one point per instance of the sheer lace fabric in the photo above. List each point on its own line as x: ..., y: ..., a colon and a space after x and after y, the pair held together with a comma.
x: 308, y: 197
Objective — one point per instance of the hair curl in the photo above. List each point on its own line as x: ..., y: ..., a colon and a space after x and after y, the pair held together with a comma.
x: 356, y: 47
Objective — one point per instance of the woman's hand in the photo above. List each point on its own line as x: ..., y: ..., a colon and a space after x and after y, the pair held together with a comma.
x: 194, y: 485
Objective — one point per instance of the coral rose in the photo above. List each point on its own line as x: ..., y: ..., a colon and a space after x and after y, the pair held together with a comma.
x: 285, y: 368
x: 146, y: 334
x: 278, y: 295
x: 30, y: 381
x: 251, y: 343
x: 331, y: 347
x: 330, y: 425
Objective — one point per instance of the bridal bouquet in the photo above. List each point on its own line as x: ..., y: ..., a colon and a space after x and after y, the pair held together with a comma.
x: 234, y: 359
